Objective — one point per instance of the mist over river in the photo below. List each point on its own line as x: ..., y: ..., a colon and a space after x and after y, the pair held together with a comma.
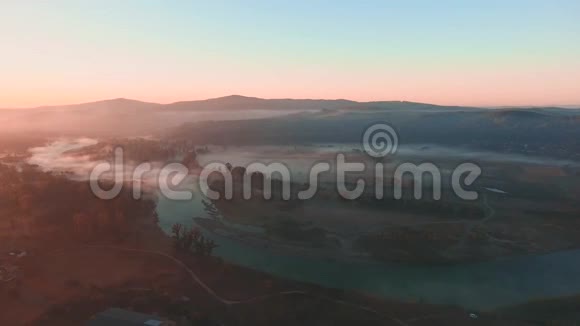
x: 484, y: 285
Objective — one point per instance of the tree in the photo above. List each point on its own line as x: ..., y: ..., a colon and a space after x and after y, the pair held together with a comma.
x: 103, y: 221
x: 176, y: 231
x: 190, y: 237
x: 190, y: 160
x: 208, y: 247
x: 238, y: 172
x: 257, y: 180
x: 196, y: 233
x: 25, y: 202
x: 82, y: 224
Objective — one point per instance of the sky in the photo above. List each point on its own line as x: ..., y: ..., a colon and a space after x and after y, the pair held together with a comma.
x: 451, y: 52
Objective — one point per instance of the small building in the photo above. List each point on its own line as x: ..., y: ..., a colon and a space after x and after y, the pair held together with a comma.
x: 121, y: 317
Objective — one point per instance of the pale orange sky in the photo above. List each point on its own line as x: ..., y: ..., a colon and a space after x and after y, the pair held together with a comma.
x: 481, y: 53
x: 460, y: 88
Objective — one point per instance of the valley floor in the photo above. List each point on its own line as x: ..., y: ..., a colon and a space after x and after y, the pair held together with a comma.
x: 63, y: 282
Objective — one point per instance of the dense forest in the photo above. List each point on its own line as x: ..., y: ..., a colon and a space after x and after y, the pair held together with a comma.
x: 46, y: 205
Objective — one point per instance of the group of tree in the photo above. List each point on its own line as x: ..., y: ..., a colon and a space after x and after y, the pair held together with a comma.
x: 217, y: 181
x: 135, y: 150
x: 190, y: 160
x: 192, y: 240
x: 53, y: 205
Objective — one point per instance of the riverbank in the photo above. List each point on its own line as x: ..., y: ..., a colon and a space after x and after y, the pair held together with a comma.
x: 66, y: 282
x: 483, y: 286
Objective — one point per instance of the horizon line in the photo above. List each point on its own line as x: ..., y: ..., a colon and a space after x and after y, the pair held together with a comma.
x: 560, y: 106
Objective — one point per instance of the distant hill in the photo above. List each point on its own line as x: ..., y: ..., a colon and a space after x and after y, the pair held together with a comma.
x: 110, y: 106
x: 232, y: 120
x: 238, y: 102
x: 125, y: 117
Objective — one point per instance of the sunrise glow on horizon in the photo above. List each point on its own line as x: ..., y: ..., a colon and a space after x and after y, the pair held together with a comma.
x: 477, y: 53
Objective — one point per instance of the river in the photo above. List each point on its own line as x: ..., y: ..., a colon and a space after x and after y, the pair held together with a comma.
x: 481, y: 286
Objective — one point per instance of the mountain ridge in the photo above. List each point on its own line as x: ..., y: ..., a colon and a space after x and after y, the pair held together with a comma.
x: 241, y: 102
